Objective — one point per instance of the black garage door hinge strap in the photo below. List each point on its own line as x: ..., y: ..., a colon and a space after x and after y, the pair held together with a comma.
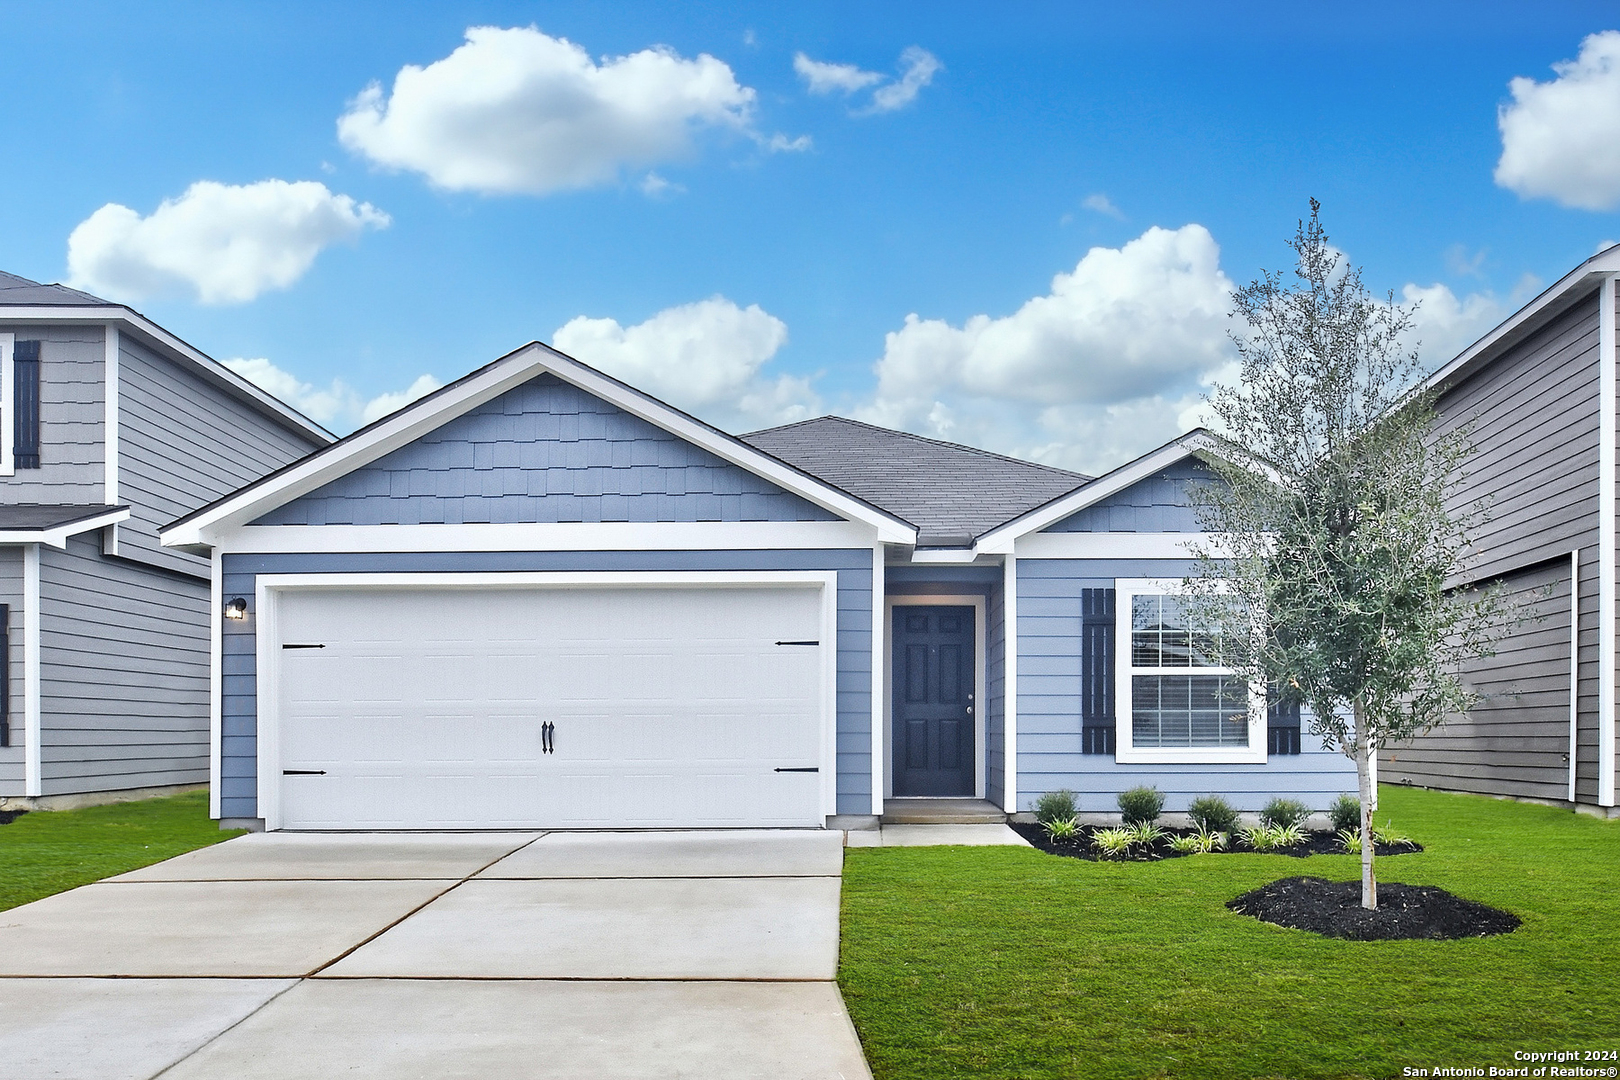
x: 290, y: 645
x: 303, y: 772
x: 798, y: 643
x: 810, y: 769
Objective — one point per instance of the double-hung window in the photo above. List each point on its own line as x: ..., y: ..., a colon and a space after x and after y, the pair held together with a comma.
x: 1179, y: 700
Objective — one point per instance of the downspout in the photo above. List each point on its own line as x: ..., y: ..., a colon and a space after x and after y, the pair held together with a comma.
x: 1574, y: 663
x: 1606, y: 541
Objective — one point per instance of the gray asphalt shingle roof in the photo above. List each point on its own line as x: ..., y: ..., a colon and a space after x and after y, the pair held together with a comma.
x: 20, y: 291
x: 40, y: 516
x: 952, y: 493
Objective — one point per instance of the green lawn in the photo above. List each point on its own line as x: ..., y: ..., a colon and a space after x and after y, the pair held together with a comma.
x: 46, y: 852
x: 1004, y: 962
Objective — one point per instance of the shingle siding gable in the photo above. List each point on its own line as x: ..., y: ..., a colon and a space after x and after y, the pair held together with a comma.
x: 1157, y: 504
x: 546, y: 452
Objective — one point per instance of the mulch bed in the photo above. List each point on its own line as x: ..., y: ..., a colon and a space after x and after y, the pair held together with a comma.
x: 1320, y: 842
x: 1404, y: 912
x: 8, y: 816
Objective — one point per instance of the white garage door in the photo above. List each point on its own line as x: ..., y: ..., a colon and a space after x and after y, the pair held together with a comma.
x: 668, y: 707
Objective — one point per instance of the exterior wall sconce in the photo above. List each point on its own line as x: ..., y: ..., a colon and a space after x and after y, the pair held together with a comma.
x: 236, y: 609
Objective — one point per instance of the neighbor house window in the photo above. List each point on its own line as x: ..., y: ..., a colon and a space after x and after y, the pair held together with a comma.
x: 1179, y: 697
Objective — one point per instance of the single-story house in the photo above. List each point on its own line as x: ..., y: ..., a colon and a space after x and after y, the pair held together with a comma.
x: 1539, y: 397
x: 542, y: 598
x: 109, y: 427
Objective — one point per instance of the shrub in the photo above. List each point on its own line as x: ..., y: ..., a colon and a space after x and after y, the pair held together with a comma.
x: 1201, y: 842
x: 1284, y: 812
x: 1351, y: 839
x: 1389, y: 837
x: 1141, y: 804
x: 1267, y: 837
x: 1212, y: 813
x: 1056, y: 806
x: 1112, y: 843
x: 1145, y: 833
x: 1346, y: 813
x: 1062, y: 828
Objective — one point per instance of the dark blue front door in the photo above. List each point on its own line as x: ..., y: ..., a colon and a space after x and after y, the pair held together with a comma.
x: 933, y: 701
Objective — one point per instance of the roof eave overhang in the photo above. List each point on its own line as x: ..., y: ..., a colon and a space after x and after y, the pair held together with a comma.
x: 200, y: 530
x: 57, y: 535
x: 154, y: 335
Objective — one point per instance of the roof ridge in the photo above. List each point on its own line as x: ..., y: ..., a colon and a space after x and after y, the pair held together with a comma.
x: 925, y: 439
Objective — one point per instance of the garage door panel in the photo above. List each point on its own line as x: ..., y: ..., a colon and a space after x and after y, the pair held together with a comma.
x: 671, y: 706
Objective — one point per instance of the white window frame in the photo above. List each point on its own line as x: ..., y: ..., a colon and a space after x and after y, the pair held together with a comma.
x: 1125, y: 590
x: 8, y: 403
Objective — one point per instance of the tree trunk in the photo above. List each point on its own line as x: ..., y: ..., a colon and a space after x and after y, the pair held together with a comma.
x: 1365, y: 749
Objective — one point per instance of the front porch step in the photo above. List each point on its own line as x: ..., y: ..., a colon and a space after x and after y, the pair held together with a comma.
x: 942, y: 812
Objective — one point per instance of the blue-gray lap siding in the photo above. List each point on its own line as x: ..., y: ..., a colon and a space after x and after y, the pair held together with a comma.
x: 1049, y: 741
x: 546, y: 451
x: 238, y: 766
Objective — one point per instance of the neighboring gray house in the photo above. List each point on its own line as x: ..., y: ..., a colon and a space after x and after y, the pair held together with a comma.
x: 541, y: 598
x: 110, y: 426
x: 1539, y: 396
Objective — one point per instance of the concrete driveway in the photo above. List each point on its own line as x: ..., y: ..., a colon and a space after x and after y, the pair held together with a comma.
x: 287, y: 955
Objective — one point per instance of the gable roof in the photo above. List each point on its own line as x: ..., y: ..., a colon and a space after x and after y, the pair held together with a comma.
x: 1557, y: 297
x: 485, y: 384
x: 952, y: 493
x: 53, y: 523
x: 27, y: 301
x: 1198, y: 440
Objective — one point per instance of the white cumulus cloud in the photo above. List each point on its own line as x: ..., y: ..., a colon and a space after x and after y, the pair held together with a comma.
x: 703, y: 357
x: 337, y: 405
x: 917, y: 69
x: 518, y: 111
x: 1561, y: 139
x: 222, y: 243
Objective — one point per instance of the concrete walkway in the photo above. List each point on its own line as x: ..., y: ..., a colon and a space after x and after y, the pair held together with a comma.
x: 485, y: 955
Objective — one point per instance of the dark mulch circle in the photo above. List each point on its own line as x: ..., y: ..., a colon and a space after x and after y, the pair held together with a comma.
x: 8, y: 816
x: 1320, y: 842
x: 1404, y: 912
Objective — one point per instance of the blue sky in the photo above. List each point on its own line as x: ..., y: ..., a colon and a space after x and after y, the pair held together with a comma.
x: 759, y: 246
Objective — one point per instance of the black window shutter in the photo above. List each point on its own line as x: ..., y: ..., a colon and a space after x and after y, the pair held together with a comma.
x: 25, y: 404
x: 1097, y: 671
x: 5, y: 675
x: 1282, y: 724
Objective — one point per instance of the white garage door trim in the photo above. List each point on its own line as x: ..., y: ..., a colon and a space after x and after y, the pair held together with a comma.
x: 270, y: 587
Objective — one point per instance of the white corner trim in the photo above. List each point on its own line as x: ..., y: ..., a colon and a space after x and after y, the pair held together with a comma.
x: 1607, y: 419
x: 216, y: 681
x: 1574, y: 664
x: 8, y: 355
x: 880, y: 680
x: 32, y: 777
x: 269, y: 587
x: 981, y: 670
x: 547, y: 536
x: 1117, y: 545
x: 57, y: 537
x: 109, y: 429
x: 1127, y: 753
x: 1009, y: 689
x: 202, y: 528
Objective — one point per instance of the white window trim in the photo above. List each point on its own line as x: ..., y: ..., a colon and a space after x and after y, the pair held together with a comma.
x: 1254, y: 754
x: 981, y: 707
x: 8, y: 363
x: 268, y: 588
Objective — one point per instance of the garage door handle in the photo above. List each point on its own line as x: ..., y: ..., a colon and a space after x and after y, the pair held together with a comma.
x: 303, y: 772
x: 548, y: 734
x: 810, y: 769
x: 798, y: 643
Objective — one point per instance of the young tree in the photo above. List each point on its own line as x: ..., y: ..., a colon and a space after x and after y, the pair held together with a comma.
x: 1337, y: 543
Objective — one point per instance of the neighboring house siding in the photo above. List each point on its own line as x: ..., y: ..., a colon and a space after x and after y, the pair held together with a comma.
x: 1156, y: 504
x: 239, y: 765
x: 184, y: 443
x: 546, y: 452
x: 1516, y: 740
x: 123, y: 673
x: 72, y: 413
x: 11, y: 593
x: 1533, y: 416
x: 1049, y: 740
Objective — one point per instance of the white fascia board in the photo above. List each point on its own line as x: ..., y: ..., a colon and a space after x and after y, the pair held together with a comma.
x: 144, y: 327
x: 1002, y: 539
x: 205, y: 528
x: 946, y: 556
x: 548, y: 536
x: 58, y: 536
x: 891, y: 529
x: 1588, y: 275
x: 1120, y: 545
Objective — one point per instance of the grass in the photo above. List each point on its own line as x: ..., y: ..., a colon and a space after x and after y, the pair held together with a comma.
x: 1005, y: 962
x: 49, y: 852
